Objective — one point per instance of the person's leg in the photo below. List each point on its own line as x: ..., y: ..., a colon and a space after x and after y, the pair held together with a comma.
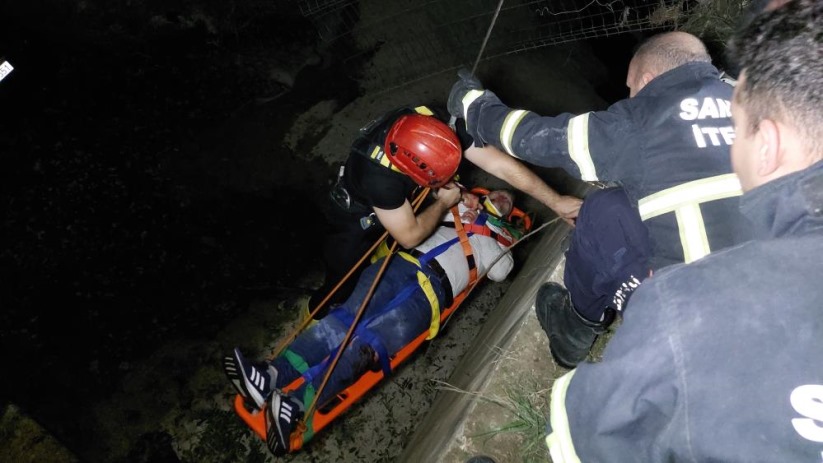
x: 607, y: 259
x: 407, y: 316
x: 390, y: 321
x: 317, y: 342
x: 610, y: 247
x: 344, y: 244
x: 256, y: 381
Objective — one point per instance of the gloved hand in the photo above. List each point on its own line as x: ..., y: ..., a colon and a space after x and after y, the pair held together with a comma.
x: 466, y: 140
x: 467, y: 83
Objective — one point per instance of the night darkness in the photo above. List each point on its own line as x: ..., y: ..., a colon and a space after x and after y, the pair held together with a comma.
x: 132, y: 209
x: 119, y: 228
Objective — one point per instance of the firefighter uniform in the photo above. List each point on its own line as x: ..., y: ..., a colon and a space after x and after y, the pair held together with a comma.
x: 668, y: 147
x: 718, y: 360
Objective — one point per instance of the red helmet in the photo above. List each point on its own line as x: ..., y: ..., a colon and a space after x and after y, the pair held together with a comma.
x: 424, y: 148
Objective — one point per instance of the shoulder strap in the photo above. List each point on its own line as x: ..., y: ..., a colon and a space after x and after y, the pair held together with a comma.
x: 467, y: 247
x: 369, y: 143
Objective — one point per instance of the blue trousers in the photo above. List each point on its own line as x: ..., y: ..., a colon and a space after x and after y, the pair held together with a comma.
x: 394, y: 328
x: 609, y: 251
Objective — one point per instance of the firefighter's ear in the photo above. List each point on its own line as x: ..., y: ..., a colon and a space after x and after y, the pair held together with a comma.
x: 647, y: 77
x: 769, y: 156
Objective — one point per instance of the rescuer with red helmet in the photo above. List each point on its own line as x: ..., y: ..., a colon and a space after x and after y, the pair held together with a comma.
x: 392, y: 158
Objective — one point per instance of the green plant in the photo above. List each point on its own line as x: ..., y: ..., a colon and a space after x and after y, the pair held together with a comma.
x: 526, y: 407
x: 713, y: 21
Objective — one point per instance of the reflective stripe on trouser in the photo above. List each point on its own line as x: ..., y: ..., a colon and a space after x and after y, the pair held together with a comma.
x: 560, y: 442
x: 684, y: 200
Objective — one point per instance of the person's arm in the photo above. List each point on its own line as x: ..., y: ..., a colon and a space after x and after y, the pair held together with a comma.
x: 588, y: 146
x: 516, y: 174
x: 409, y: 229
x: 504, y: 265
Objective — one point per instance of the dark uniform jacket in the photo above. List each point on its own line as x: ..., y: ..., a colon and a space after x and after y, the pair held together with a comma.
x: 668, y: 147
x: 719, y: 360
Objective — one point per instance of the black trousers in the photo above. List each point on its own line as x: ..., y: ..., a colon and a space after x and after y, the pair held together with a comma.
x: 608, y: 255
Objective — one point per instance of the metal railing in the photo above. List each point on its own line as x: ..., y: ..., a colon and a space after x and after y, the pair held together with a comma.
x: 388, y: 43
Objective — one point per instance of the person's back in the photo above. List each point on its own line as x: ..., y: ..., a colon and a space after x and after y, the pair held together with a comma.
x: 719, y: 360
x: 718, y: 351
x: 671, y: 155
x: 670, y: 138
x: 666, y: 146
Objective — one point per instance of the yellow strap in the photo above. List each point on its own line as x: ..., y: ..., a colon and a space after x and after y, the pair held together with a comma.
x: 684, y: 200
x: 560, y: 442
x: 379, y: 253
x: 424, y: 111
x: 426, y: 286
x: 380, y: 156
x: 578, y: 133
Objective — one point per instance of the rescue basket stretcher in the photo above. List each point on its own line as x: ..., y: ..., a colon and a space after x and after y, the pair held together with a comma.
x: 327, y: 412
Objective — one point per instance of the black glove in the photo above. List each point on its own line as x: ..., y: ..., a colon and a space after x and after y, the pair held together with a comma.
x: 466, y: 140
x: 460, y: 88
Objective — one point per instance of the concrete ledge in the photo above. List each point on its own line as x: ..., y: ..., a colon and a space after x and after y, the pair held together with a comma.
x: 441, y: 426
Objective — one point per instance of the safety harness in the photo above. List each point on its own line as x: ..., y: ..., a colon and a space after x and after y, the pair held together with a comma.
x: 366, y: 335
x: 368, y: 145
x: 488, y: 225
x: 316, y: 419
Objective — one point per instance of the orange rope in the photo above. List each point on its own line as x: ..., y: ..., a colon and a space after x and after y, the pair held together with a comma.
x: 296, y: 332
x: 358, y: 316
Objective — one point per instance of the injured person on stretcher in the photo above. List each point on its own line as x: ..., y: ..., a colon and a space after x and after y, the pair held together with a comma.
x: 405, y: 303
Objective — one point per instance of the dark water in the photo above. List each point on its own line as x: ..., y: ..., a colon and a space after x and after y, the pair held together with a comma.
x: 126, y: 220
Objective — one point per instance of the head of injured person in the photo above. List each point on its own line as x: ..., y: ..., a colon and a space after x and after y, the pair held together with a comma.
x: 497, y: 202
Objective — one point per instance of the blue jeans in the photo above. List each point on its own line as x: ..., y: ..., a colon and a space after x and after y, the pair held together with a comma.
x: 394, y: 328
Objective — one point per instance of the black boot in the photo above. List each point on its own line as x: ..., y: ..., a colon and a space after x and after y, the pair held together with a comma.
x: 570, y: 335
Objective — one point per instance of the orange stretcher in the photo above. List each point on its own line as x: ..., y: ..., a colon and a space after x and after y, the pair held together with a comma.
x: 327, y: 412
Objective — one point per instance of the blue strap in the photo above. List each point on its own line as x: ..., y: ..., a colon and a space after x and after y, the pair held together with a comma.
x: 439, y: 249
x: 320, y: 368
x: 363, y: 332
x: 377, y: 344
x: 481, y: 218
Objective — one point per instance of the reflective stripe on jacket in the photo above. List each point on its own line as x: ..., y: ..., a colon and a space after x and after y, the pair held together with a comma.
x: 718, y: 360
x: 675, y: 131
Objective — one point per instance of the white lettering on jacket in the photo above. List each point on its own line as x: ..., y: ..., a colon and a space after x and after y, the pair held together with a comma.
x: 709, y: 108
x: 692, y: 109
x: 807, y: 400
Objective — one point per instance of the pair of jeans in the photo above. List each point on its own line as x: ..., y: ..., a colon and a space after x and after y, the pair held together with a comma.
x: 395, y: 328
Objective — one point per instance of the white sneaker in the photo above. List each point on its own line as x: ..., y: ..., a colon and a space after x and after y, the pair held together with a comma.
x: 282, y: 415
x: 250, y: 381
